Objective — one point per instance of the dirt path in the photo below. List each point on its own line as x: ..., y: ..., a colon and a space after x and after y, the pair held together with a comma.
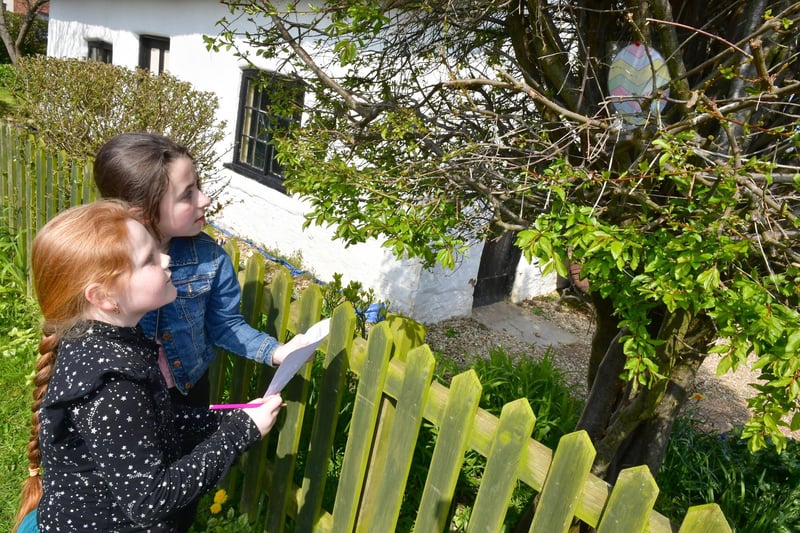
x: 717, y: 403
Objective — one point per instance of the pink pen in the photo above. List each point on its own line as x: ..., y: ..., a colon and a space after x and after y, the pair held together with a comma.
x: 234, y: 405
x: 238, y: 405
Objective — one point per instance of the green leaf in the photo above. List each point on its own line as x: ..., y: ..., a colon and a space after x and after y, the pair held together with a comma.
x: 795, y: 423
x: 793, y: 342
x: 724, y: 365
x: 709, y: 278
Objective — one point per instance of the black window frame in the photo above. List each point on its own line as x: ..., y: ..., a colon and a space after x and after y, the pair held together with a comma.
x: 99, y: 50
x: 256, y: 85
x: 147, y: 43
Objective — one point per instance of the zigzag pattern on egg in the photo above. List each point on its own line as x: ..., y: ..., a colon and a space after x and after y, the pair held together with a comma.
x: 630, y: 79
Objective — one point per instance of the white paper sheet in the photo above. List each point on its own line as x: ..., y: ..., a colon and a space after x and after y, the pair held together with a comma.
x: 295, y: 360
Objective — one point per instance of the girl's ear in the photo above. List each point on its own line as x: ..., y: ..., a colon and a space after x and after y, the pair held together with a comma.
x: 96, y: 295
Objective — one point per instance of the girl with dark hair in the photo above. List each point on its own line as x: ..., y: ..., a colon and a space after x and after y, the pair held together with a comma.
x: 157, y: 176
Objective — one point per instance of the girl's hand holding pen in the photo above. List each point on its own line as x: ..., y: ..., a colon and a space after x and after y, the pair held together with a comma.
x: 265, y: 414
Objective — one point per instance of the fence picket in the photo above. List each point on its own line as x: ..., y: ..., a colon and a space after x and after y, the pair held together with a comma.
x: 407, y: 334
x: 499, y: 477
x: 400, y: 443
x: 631, y: 501
x: 340, y: 340
x: 28, y: 227
x: 448, y: 455
x: 252, y: 298
x: 362, y: 427
x: 572, y: 461
x: 5, y: 167
x: 54, y: 187
x: 706, y: 518
x: 246, y: 371
x: 295, y: 395
x: 43, y: 170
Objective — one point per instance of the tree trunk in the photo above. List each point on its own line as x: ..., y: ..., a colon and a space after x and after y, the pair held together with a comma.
x: 605, y: 393
x: 638, y: 431
x: 605, y: 332
x: 6, y: 38
x: 648, y: 442
x: 14, y: 46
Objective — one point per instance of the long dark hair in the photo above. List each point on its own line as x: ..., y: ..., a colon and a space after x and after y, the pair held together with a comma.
x: 134, y: 167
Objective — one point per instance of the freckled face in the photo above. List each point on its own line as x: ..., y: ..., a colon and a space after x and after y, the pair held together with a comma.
x: 182, y: 209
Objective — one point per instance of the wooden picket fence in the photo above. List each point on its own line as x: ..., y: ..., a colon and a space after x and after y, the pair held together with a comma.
x: 395, y: 393
x: 36, y: 183
x: 392, y: 371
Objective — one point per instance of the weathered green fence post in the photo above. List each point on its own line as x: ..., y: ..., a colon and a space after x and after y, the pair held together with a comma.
x: 340, y: 342
x: 365, y: 416
x: 295, y: 395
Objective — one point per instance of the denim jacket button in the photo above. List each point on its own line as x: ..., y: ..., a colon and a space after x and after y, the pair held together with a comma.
x: 187, y: 385
x: 167, y: 336
x: 176, y: 364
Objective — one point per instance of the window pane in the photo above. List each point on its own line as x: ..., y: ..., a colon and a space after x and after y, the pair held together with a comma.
x: 99, y: 51
x: 155, y: 63
x: 260, y: 155
x: 153, y: 54
x: 245, y: 128
x: 256, y: 154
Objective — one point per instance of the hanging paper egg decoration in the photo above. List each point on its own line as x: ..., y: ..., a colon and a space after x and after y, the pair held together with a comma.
x: 630, y: 82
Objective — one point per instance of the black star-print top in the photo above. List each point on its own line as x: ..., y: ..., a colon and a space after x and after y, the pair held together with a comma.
x: 117, y: 455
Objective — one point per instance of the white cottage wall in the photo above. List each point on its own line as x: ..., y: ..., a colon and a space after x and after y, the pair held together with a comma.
x: 253, y: 211
x: 530, y: 282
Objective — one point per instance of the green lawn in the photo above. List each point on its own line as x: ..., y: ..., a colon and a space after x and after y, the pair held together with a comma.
x: 15, y: 423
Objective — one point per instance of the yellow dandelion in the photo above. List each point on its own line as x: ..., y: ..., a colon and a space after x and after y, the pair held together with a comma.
x: 215, y: 508
x: 697, y: 396
x: 220, y: 496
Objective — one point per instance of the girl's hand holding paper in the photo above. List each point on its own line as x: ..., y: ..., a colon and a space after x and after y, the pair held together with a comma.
x: 282, y: 351
x: 295, y: 360
x: 304, y: 350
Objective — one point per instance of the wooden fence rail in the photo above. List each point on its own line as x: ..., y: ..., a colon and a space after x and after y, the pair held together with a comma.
x: 392, y: 373
x: 395, y: 394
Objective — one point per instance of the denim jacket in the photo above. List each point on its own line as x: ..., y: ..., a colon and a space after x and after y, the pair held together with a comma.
x: 205, y: 314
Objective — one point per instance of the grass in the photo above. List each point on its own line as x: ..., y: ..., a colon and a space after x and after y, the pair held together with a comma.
x: 19, y: 336
x: 15, y: 414
x: 759, y: 493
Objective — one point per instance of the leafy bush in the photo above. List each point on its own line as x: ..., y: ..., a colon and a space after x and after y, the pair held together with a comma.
x: 758, y: 492
x: 212, y: 517
x: 334, y: 294
x: 75, y: 106
x: 505, y: 378
x: 7, y: 74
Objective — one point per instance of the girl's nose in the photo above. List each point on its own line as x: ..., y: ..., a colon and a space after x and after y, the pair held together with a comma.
x: 203, y: 200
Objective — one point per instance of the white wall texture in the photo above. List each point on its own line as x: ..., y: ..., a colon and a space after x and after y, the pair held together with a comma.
x: 253, y: 211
